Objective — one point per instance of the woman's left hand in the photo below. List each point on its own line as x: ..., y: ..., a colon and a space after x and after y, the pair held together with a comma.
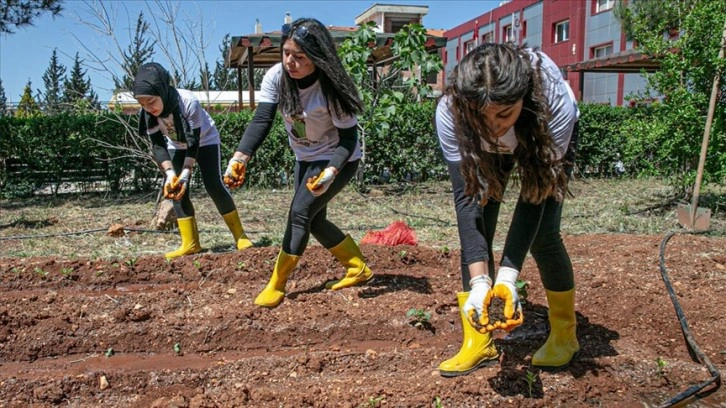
x: 505, y: 288
x: 319, y: 184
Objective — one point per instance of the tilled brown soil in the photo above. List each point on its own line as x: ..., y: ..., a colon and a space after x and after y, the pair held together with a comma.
x: 147, y: 333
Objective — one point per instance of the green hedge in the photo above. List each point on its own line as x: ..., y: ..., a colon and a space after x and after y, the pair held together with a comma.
x: 651, y: 140
x: 54, y: 147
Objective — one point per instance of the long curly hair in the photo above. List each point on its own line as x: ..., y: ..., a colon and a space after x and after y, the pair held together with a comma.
x: 336, y: 84
x: 503, y: 74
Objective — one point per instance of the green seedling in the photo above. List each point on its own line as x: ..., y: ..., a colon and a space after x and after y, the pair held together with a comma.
x: 240, y: 265
x: 531, y: 378
x: 109, y: 352
x: 445, y: 250
x: 661, y: 366
x: 402, y: 254
x: 437, y: 402
x: 197, y: 264
x: 66, y: 272
x: 374, y: 402
x: 177, y: 348
x: 420, y: 316
x: 264, y: 242
x: 16, y: 270
x: 100, y: 273
x: 522, y: 286
x: 131, y: 262
x: 115, y: 265
x: 40, y: 272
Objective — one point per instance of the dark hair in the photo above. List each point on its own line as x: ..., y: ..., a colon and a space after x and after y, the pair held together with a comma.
x: 336, y: 84
x: 503, y: 74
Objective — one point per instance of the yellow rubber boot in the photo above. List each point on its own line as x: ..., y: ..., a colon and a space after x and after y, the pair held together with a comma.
x: 274, y: 292
x: 348, y: 253
x: 477, y: 350
x: 561, y: 345
x: 190, y: 238
x: 234, y: 224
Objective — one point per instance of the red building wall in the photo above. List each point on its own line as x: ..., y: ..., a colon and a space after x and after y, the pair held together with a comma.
x: 553, y: 11
x: 570, y: 51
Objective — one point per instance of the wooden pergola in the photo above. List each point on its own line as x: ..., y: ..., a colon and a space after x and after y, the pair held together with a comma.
x: 627, y: 62
x: 264, y: 50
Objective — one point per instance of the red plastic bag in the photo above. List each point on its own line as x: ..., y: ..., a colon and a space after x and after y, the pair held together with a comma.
x: 398, y: 233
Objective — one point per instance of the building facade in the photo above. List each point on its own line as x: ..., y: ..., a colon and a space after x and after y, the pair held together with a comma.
x: 569, y: 31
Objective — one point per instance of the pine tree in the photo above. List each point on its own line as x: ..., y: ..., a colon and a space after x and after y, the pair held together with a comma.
x: 15, y: 14
x: 138, y: 53
x: 92, y: 99
x: 224, y: 79
x: 27, y: 106
x: 204, y: 77
x: 53, y: 78
x: 77, y: 88
x: 3, y: 100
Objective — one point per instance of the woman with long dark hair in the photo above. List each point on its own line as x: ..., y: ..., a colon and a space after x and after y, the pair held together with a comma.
x: 509, y: 109
x: 319, y: 103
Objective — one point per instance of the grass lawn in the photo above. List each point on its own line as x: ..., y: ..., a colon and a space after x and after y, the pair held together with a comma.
x: 75, y: 226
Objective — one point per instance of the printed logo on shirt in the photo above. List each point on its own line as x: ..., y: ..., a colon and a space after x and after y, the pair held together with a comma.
x: 168, y: 128
x: 298, y: 126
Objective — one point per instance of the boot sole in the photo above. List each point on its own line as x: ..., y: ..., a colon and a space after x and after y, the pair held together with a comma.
x: 351, y: 286
x: 482, y: 364
x: 558, y: 368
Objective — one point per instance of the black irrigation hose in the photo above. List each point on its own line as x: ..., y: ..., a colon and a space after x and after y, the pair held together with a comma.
x: 694, y: 350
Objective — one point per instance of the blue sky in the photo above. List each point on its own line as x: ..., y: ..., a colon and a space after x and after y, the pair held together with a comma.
x: 25, y: 55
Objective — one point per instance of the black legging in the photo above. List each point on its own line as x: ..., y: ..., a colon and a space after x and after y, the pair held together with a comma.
x: 208, y: 162
x: 534, y: 228
x: 308, y: 214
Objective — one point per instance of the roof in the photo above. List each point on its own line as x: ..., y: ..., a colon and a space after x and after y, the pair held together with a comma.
x: 629, y: 61
x: 391, y: 9
x: 205, y: 98
x: 265, y: 47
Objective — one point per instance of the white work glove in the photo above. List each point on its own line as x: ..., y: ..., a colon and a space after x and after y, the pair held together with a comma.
x: 234, y: 176
x: 319, y: 184
x: 169, y: 183
x: 505, y: 288
x: 474, y: 309
x: 179, y: 185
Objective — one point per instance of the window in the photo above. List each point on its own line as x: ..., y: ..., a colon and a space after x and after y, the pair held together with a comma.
x: 562, y: 31
x: 488, y: 37
x: 470, y: 45
x: 602, y: 51
x: 604, y: 5
x: 508, y: 33
x: 432, y: 78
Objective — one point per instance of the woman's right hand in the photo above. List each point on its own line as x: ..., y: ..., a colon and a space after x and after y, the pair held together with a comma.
x: 234, y: 176
x: 474, y: 308
x: 169, y: 183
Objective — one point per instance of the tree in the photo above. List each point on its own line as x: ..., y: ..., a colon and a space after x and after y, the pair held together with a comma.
x: 3, y: 100
x: 27, y: 106
x: 204, y: 77
x: 138, y: 52
x: 685, y: 37
x: 77, y: 92
x: 384, y: 89
x: 53, y: 78
x: 21, y: 13
x: 224, y: 79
